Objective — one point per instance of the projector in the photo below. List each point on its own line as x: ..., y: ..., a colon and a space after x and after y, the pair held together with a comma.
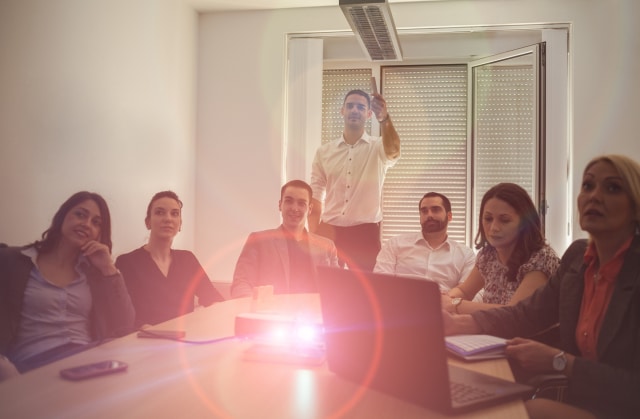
x: 278, y: 329
x: 282, y: 339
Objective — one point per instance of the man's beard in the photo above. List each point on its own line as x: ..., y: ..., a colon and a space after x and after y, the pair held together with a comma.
x: 434, y: 226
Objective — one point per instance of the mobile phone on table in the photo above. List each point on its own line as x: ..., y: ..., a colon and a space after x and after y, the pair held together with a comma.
x: 93, y: 370
x: 161, y: 334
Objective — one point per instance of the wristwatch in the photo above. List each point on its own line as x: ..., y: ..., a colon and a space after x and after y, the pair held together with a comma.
x: 455, y: 302
x: 559, y: 362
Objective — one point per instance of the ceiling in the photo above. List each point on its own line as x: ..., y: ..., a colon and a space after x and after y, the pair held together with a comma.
x: 460, y: 46
x: 225, y: 5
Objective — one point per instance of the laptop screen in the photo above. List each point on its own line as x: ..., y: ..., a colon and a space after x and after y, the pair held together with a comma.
x: 385, y: 332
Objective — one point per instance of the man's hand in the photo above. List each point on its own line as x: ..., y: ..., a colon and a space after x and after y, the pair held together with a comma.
x: 390, y: 138
x: 446, y: 303
x: 379, y: 107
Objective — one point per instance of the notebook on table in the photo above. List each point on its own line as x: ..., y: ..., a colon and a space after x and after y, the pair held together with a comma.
x: 386, y: 332
x: 476, y: 347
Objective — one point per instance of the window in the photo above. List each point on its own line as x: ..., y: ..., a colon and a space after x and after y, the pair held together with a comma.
x: 312, y: 118
x: 431, y: 111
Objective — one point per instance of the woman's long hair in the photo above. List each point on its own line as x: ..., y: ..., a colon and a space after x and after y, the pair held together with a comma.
x: 51, y: 237
x: 530, y: 238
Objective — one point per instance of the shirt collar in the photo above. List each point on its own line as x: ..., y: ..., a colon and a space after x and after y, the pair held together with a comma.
x: 591, y: 255
x: 421, y: 240
x: 365, y: 137
x: 32, y: 253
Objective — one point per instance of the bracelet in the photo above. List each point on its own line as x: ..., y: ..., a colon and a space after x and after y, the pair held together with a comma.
x: 383, y: 120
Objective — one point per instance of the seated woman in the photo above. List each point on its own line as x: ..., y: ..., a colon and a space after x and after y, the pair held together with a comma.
x: 595, y: 297
x: 163, y: 281
x: 514, y: 259
x: 63, y: 293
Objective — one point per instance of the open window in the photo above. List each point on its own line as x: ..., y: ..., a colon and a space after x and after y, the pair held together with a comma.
x: 464, y: 126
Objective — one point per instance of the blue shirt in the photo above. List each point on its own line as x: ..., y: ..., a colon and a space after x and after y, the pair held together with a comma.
x: 52, y: 316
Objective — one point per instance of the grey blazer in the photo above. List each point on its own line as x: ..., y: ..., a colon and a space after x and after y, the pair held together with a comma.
x: 611, y: 386
x: 264, y: 260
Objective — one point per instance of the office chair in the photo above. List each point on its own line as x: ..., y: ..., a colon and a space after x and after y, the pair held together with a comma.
x: 549, y: 386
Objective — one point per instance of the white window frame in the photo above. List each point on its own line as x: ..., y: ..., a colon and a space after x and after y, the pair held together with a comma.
x: 558, y: 127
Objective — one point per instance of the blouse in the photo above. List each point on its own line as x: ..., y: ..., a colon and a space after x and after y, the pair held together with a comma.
x: 497, y: 288
x: 158, y: 298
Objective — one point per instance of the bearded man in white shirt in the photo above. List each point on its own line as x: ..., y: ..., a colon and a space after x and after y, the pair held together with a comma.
x: 430, y: 253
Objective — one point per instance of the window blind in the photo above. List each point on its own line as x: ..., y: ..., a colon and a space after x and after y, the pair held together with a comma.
x: 505, y: 138
x: 428, y: 105
x: 429, y: 108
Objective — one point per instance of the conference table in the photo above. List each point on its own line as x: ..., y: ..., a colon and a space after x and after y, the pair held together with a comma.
x: 169, y: 379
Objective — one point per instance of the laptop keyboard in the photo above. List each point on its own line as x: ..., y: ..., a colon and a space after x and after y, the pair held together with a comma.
x: 464, y: 393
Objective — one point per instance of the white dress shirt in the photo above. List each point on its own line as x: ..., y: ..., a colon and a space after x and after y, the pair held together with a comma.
x: 349, y: 179
x: 410, y: 254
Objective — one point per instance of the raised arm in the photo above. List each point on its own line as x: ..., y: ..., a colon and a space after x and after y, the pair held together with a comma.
x: 390, y: 138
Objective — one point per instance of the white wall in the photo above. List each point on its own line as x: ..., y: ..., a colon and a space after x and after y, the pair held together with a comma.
x: 99, y: 95
x: 96, y: 95
x: 241, y: 93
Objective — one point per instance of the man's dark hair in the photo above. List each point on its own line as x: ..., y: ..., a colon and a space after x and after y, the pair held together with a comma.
x: 297, y: 184
x: 358, y: 92
x: 445, y: 200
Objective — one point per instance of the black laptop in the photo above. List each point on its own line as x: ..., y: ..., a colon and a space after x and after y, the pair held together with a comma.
x: 386, y: 332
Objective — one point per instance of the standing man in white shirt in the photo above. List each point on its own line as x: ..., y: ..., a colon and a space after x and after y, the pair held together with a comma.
x: 347, y: 177
x: 429, y: 254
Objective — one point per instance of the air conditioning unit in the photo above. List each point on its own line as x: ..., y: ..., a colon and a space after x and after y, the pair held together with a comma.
x: 372, y: 23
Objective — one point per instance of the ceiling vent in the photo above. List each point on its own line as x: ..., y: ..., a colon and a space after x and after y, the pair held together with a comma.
x: 372, y: 23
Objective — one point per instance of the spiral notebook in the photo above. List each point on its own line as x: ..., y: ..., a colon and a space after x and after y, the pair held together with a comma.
x: 476, y: 347
x: 386, y: 332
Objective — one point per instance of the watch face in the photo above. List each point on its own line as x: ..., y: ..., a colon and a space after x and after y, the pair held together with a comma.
x: 559, y: 362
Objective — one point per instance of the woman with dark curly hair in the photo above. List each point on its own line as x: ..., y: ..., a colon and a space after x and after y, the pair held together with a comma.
x: 514, y: 259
